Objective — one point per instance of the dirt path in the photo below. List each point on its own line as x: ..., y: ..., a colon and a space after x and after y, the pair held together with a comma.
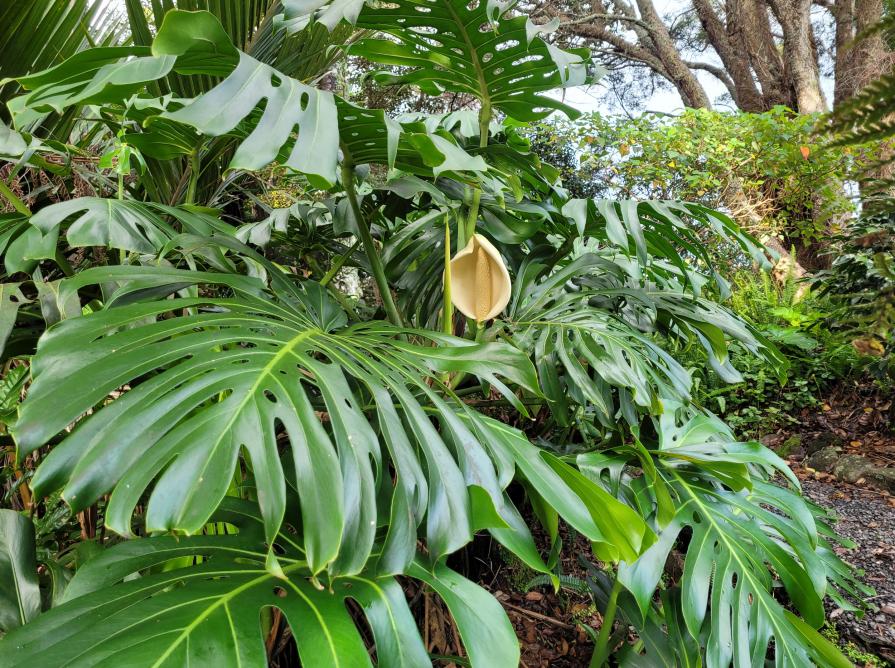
x: 867, y: 518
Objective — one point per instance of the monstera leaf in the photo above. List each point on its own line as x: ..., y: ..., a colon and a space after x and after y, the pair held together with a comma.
x: 274, y: 117
x: 747, y: 535
x: 661, y: 230
x: 299, y: 13
x: 122, y: 224
x: 20, y: 592
x: 263, y: 373
x: 212, y: 612
x: 12, y: 144
x: 586, y: 355
x: 371, y: 136
x: 478, y: 48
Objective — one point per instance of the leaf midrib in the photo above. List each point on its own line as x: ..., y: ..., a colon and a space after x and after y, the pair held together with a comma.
x: 225, y: 599
x: 744, y: 568
x: 287, y: 349
x: 474, y: 56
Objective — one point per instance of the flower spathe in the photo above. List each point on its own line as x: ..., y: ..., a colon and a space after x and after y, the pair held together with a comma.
x: 480, y: 282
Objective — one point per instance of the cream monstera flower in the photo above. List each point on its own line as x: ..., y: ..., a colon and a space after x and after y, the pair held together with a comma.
x: 480, y: 282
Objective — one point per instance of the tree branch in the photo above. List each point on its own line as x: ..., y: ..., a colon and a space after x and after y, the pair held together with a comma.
x: 606, y: 17
x: 716, y: 71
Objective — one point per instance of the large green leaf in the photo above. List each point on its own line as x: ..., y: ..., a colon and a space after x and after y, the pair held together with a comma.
x: 187, y: 43
x: 211, y: 613
x: 299, y: 13
x: 746, y: 535
x: 12, y: 143
x: 304, y: 56
x: 123, y: 224
x: 476, y: 48
x: 11, y: 300
x: 19, y: 590
x: 588, y: 355
x: 37, y: 34
x: 657, y: 230
x: 272, y: 117
x: 254, y: 373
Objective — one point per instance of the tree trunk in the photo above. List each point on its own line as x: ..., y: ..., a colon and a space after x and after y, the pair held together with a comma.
x: 786, y: 265
x: 871, y: 57
x: 745, y: 92
x: 756, y: 35
x: 800, y: 58
x: 844, y: 81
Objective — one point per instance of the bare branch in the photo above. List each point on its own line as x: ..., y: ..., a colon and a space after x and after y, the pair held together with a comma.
x: 716, y: 71
x: 607, y: 17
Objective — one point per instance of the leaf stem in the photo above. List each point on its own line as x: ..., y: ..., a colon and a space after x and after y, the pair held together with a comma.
x: 195, y: 166
x: 601, y: 647
x: 447, y: 324
x: 473, y: 215
x: 64, y: 264
x: 366, y: 238
x: 11, y: 197
x: 337, y: 265
x: 484, y: 123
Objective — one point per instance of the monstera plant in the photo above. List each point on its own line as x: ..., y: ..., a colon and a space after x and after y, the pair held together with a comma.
x: 263, y: 455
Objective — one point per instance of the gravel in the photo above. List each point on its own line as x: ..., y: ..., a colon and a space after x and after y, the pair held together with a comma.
x: 867, y: 518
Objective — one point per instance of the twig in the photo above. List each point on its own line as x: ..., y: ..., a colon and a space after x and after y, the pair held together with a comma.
x: 538, y: 615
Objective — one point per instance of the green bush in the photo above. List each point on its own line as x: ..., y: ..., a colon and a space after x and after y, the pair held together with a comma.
x: 789, y: 182
x: 798, y: 322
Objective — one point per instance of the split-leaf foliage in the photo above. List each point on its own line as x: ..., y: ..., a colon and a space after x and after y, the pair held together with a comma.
x: 255, y: 442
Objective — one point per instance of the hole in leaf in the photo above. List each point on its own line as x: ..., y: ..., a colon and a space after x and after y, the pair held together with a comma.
x: 528, y: 59
x: 508, y: 44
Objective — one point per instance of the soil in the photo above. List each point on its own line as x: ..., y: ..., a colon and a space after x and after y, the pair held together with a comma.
x: 859, y: 419
x: 548, y: 624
